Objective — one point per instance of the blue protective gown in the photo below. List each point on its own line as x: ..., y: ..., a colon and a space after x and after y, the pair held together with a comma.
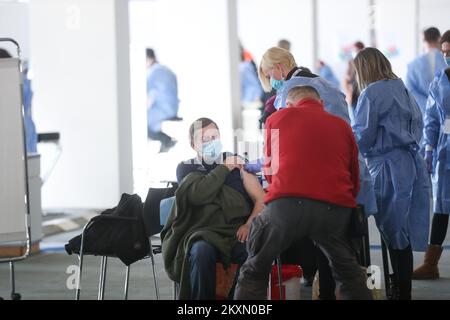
x: 251, y: 89
x: 30, y: 128
x: 420, y: 74
x: 388, y: 127
x: 436, y: 114
x: 162, y: 95
x: 334, y: 101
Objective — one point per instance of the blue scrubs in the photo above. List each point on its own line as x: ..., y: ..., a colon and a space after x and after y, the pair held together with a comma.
x: 162, y: 94
x: 251, y: 89
x: 420, y: 74
x: 388, y: 127
x: 335, y: 104
x: 435, y: 135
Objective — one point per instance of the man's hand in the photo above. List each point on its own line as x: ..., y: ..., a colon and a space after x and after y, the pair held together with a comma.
x: 234, y: 163
x: 242, y: 234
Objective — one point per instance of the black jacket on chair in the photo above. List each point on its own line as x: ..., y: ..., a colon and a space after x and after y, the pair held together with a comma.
x: 117, y: 232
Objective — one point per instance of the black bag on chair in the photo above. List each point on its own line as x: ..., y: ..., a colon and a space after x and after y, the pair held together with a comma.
x: 116, y: 232
x: 358, y: 223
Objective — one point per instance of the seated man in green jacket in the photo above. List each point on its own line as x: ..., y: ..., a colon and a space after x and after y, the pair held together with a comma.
x: 215, y: 205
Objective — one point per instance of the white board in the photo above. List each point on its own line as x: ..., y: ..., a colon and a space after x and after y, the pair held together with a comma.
x: 13, y: 208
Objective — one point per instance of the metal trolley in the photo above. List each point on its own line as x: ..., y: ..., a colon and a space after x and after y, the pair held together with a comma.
x: 11, y: 202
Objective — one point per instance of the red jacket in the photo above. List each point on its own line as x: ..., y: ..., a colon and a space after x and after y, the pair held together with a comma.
x: 311, y: 154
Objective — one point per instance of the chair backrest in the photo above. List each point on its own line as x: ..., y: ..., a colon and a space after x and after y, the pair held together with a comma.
x: 152, y: 208
x: 164, y: 211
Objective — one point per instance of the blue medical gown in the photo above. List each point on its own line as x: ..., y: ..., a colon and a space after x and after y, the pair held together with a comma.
x: 388, y: 127
x: 30, y: 128
x: 419, y: 75
x: 327, y: 73
x: 334, y: 101
x: 251, y: 89
x: 438, y: 110
x: 162, y: 95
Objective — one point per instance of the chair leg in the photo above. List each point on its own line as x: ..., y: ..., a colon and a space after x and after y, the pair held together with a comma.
x: 154, y: 277
x: 102, y: 281
x: 280, y: 277
x: 127, y: 282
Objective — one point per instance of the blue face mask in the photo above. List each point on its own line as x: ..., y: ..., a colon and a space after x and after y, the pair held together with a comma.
x: 447, y: 59
x: 276, y: 84
x: 277, y: 103
x: 211, y: 151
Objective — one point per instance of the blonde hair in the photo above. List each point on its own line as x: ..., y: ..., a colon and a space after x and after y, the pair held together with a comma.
x: 301, y: 92
x: 270, y: 59
x: 371, y: 66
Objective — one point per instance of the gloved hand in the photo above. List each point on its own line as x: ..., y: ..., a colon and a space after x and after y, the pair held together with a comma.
x: 429, y: 160
x: 254, y: 166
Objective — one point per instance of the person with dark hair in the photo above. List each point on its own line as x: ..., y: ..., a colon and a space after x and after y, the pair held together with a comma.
x: 388, y: 125
x: 162, y: 100
x: 216, y: 204
x: 422, y: 70
x: 437, y: 157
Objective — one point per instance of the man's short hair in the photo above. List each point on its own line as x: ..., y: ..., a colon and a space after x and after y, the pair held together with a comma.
x: 199, y: 124
x: 301, y: 92
x: 431, y: 35
x: 151, y: 54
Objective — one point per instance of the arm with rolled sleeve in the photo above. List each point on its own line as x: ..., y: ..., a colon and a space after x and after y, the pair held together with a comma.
x: 366, y: 124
